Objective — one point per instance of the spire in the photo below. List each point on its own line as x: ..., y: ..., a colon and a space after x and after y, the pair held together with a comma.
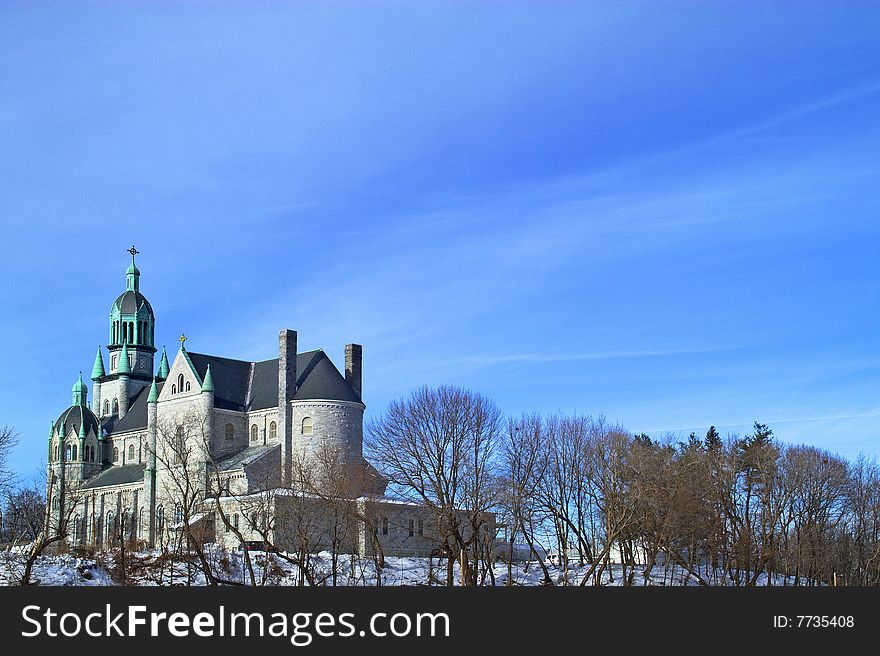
x: 164, y: 368
x: 82, y: 427
x: 51, y: 429
x: 154, y: 393
x: 124, y: 365
x: 132, y: 275
x: 208, y: 384
x: 80, y: 391
x: 98, y: 368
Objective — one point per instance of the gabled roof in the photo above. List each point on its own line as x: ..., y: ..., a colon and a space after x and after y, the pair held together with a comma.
x: 116, y: 475
x: 244, y: 386
x: 240, y: 385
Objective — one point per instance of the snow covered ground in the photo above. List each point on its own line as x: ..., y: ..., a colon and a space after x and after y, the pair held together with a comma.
x: 150, y: 568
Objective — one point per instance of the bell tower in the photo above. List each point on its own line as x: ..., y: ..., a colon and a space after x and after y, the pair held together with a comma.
x: 131, y: 346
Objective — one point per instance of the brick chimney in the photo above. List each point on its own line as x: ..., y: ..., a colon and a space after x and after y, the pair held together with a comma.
x: 286, y: 390
x: 353, y: 358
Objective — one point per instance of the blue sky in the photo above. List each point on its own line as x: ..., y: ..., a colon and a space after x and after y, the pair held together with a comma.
x: 665, y: 213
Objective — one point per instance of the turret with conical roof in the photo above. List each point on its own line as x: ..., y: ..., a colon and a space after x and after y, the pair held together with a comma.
x: 154, y: 393
x: 208, y: 383
x: 164, y: 367
x: 124, y: 365
x: 98, y: 367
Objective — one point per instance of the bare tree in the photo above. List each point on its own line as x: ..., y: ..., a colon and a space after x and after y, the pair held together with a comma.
x: 437, y: 447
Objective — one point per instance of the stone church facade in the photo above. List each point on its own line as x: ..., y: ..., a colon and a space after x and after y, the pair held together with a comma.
x: 219, y: 447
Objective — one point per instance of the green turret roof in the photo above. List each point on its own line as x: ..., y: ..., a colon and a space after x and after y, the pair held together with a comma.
x: 124, y: 366
x: 80, y: 391
x: 164, y: 367
x: 98, y: 368
x: 154, y: 393
x: 208, y: 384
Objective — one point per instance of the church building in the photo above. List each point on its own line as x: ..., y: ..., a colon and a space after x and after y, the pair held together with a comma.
x: 244, y: 436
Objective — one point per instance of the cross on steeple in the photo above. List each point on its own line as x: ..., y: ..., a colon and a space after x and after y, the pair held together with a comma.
x: 133, y: 251
x: 182, y: 340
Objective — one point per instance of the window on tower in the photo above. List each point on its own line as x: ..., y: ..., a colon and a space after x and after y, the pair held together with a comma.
x: 273, y: 430
x: 131, y: 452
x: 255, y: 433
x: 106, y: 408
x: 115, y: 454
x: 115, y: 406
x: 307, y: 426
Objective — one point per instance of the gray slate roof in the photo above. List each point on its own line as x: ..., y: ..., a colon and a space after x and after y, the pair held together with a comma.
x: 117, y: 475
x: 130, y: 301
x: 244, y: 386
x: 136, y: 417
x: 240, y: 385
x: 245, y: 457
x: 75, y: 415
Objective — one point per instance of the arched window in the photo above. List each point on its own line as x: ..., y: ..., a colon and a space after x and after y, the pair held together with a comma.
x: 230, y: 432
x: 113, y: 363
x: 178, y: 514
x: 77, y: 525
x: 115, y: 454
x: 160, y: 517
x: 131, y: 452
x: 180, y: 382
x: 179, y: 445
x: 111, y: 525
x: 273, y: 430
x: 307, y: 426
x: 187, y: 386
x: 74, y: 452
x: 106, y: 408
x: 142, y: 517
x: 67, y: 452
x: 115, y: 406
x: 255, y: 433
x: 174, y: 389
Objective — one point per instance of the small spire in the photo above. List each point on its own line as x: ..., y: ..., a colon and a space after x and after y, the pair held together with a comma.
x: 132, y: 275
x: 80, y: 391
x: 51, y: 428
x: 164, y: 367
x: 124, y: 366
x: 98, y: 368
x: 82, y: 427
x: 154, y: 393
x: 208, y: 384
